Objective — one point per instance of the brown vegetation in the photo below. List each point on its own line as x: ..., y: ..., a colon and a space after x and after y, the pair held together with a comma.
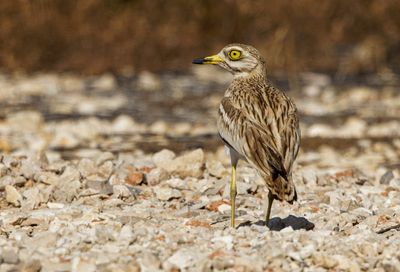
x: 94, y: 36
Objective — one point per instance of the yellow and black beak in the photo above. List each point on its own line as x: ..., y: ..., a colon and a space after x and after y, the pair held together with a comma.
x: 214, y: 59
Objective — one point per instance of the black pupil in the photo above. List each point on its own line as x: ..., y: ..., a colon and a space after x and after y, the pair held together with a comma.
x: 234, y: 54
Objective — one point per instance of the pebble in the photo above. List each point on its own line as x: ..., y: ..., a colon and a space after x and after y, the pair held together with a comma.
x: 69, y: 185
x: 216, y: 169
x: 227, y: 240
x: 310, y: 177
x: 31, y: 199
x: 184, y: 258
x: 156, y: 175
x: 125, y: 124
x: 121, y: 191
x: 166, y: 193
x: 148, y: 81
x: 149, y: 262
x: 177, y: 183
x: 30, y: 169
x: 10, y: 255
x: 55, y: 205
x: 104, y: 82
x: 104, y: 157
x: 13, y: 196
x: 387, y: 177
x: 105, y: 196
x: 163, y: 158
x: 188, y: 165
x: 223, y: 208
x: 3, y: 170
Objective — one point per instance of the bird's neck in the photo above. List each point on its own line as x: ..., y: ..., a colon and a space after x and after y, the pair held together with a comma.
x: 251, y: 82
x: 259, y: 72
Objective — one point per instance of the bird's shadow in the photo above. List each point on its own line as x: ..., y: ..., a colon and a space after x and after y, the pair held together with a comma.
x: 278, y: 224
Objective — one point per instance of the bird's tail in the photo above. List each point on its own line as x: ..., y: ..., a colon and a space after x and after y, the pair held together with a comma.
x: 282, y: 189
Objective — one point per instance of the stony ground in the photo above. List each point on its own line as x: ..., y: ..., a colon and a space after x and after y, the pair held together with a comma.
x: 127, y: 174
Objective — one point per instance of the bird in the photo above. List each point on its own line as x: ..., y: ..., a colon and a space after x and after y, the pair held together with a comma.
x: 257, y: 122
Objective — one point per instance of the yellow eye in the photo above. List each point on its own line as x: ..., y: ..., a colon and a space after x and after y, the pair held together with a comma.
x: 234, y: 54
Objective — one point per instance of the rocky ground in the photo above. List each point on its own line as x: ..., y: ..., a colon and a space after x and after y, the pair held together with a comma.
x: 127, y: 174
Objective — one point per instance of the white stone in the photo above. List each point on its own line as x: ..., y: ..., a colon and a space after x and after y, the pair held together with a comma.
x: 31, y: 199
x: 166, y: 193
x: 163, y: 158
x: 227, y: 240
x: 185, y: 257
x: 223, y: 208
x: 216, y: 169
x: 13, y: 196
x: 55, y: 205
x: 156, y: 175
x: 148, y: 81
x: 121, y: 191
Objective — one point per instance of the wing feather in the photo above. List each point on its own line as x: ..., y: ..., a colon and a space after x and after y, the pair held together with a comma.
x: 266, y: 136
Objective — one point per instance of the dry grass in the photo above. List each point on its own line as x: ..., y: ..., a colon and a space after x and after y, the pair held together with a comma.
x: 93, y: 36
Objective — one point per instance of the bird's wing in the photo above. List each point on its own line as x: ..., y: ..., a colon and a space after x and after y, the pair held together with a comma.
x: 258, y: 136
x: 290, y: 139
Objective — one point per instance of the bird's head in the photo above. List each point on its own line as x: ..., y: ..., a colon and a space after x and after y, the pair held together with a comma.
x: 239, y: 59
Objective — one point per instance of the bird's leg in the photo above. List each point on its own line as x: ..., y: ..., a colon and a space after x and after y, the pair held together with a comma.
x: 270, y: 199
x: 233, y: 195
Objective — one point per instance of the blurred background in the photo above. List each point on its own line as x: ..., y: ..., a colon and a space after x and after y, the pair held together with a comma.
x: 116, y: 75
x: 97, y: 36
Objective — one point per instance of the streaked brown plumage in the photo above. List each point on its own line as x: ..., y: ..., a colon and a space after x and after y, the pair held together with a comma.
x: 257, y: 122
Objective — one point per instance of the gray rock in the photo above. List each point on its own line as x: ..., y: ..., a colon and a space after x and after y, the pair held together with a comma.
x: 387, y: 177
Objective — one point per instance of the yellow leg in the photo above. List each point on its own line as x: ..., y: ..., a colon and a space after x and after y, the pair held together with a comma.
x: 270, y: 199
x: 233, y: 196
